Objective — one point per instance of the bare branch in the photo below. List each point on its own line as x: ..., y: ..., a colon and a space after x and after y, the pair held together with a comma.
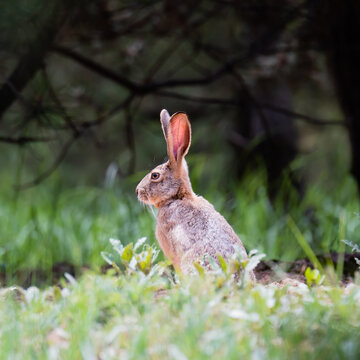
x: 22, y: 140
x: 53, y: 166
x: 99, y: 69
x: 233, y: 102
x: 58, y: 103
x: 197, y: 99
x: 309, y: 119
x: 82, y: 128
x: 244, y: 55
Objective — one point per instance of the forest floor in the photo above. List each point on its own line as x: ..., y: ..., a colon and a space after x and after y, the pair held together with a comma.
x: 269, y: 271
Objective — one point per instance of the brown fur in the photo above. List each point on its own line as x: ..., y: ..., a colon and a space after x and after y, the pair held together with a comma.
x: 188, y: 226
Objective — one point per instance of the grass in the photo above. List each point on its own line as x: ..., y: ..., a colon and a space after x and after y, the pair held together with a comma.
x: 140, y: 310
x: 51, y: 224
x: 138, y: 316
x: 46, y: 226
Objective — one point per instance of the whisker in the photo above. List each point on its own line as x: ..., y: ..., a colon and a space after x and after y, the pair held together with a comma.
x: 152, y: 211
x: 150, y: 207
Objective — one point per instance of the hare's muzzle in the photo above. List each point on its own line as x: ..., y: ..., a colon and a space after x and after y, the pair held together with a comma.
x: 141, y: 194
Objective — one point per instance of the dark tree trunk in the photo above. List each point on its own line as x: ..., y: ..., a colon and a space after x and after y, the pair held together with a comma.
x: 274, y: 132
x: 278, y: 147
x: 342, y: 41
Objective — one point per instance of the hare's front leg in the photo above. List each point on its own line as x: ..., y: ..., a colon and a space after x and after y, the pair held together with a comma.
x: 173, y: 242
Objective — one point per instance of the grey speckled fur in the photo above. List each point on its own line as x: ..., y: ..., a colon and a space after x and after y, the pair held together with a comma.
x: 195, y: 228
x: 188, y: 226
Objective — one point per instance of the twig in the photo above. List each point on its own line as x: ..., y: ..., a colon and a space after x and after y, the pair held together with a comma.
x: 54, y: 165
x: 22, y: 140
x: 82, y: 127
x: 58, y: 103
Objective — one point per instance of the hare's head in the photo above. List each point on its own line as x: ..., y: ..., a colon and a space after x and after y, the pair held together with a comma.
x: 170, y: 180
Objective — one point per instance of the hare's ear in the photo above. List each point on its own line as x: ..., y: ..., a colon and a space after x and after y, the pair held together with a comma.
x: 178, y: 137
x: 164, y: 119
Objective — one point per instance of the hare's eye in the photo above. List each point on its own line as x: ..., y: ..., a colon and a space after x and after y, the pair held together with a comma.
x: 155, y: 176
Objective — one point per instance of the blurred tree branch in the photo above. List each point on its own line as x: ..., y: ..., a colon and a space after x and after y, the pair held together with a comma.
x: 82, y: 128
x: 206, y: 51
x: 22, y: 140
x: 235, y: 103
x: 33, y: 59
x: 245, y: 54
x: 61, y: 156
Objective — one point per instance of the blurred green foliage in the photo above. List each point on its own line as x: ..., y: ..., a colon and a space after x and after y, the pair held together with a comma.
x: 90, y: 197
x: 52, y: 223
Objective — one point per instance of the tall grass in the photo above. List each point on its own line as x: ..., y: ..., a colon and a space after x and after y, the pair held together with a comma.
x: 48, y: 224
x: 51, y: 223
x: 264, y: 225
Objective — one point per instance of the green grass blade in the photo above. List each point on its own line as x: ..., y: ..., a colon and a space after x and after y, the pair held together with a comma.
x: 304, y: 244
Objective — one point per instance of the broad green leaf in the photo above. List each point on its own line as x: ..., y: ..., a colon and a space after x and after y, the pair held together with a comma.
x: 127, y: 253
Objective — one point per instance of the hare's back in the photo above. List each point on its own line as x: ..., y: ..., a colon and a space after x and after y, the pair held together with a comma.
x: 220, y: 237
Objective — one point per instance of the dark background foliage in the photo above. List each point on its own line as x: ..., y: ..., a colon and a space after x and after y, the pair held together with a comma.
x: 267, y: 85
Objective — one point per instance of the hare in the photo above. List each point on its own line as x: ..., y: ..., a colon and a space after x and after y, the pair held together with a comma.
x: 188, y: 226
